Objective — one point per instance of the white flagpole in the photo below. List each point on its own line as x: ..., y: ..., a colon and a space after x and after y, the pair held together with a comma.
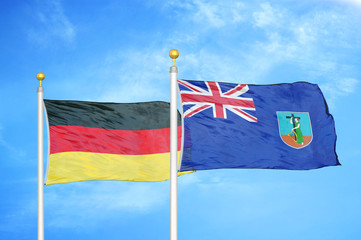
x: 173, y: 148
x: 40, y: 76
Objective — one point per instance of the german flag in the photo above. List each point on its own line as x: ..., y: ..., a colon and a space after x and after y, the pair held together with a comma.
x: 108, y: 141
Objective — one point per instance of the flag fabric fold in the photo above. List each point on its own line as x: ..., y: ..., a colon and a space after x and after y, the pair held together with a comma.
x: 280, y: 126
x: 108, y: 141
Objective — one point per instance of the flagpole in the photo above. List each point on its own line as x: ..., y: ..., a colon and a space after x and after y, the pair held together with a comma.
x: 40, y: 76
x: 173, y: 148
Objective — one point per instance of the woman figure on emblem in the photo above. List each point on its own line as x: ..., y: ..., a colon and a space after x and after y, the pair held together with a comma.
x: 297, y: 131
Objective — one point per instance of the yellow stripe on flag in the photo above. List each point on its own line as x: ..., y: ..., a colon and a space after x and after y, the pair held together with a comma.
x: 82, y: 166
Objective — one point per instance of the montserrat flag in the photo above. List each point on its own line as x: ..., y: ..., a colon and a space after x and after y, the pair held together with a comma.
x: 281, y: 126
x: 108, y: 141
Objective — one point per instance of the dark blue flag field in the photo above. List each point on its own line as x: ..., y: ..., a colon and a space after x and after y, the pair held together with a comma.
x: 281, y: 126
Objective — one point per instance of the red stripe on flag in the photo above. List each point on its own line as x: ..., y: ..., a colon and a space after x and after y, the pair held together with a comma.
x: 188, y: 86
x: 236, y: 89
x: 197, y: 110
x: 126, y: 142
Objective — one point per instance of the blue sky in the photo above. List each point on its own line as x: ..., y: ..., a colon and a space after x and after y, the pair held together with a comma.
x: 118, y: 51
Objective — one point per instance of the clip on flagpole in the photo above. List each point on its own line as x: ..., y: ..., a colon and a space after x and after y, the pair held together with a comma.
x: 173, y: 148
x: 40, y: 76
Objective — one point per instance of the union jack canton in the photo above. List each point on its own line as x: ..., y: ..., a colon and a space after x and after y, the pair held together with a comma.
x: 212, y: 96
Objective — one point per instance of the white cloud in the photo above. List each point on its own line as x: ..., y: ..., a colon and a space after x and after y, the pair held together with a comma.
x: 52, y: 24
x: 348, y: 85
x: 242, y: 198
x: 345, y: 87
x: 147, y: 74
x: 207, y: 65
x: 352, y: 2
x: 304, y: 34
x: 85, y: 204
x: 268, y: 16
x: 310, y: 42
x: 189, y: 179
x: 305, y: 41
x: 12, y: 222
x: 215, y: 14
x: 14, y: 151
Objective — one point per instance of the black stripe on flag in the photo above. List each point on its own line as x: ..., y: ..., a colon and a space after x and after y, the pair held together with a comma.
x: 120, y: 116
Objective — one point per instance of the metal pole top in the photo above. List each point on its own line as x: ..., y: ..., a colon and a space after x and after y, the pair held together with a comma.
x: 174, y: 55
x: 40, y: 76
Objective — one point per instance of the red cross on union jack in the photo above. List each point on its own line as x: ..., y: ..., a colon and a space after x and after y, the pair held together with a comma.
x: 219, y: 101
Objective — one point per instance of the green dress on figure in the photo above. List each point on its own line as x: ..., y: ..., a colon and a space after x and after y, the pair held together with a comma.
x: 299, y: 135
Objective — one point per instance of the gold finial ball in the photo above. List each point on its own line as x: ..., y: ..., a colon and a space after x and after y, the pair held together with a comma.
x: 40, y: 76
x: 173, y: 53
